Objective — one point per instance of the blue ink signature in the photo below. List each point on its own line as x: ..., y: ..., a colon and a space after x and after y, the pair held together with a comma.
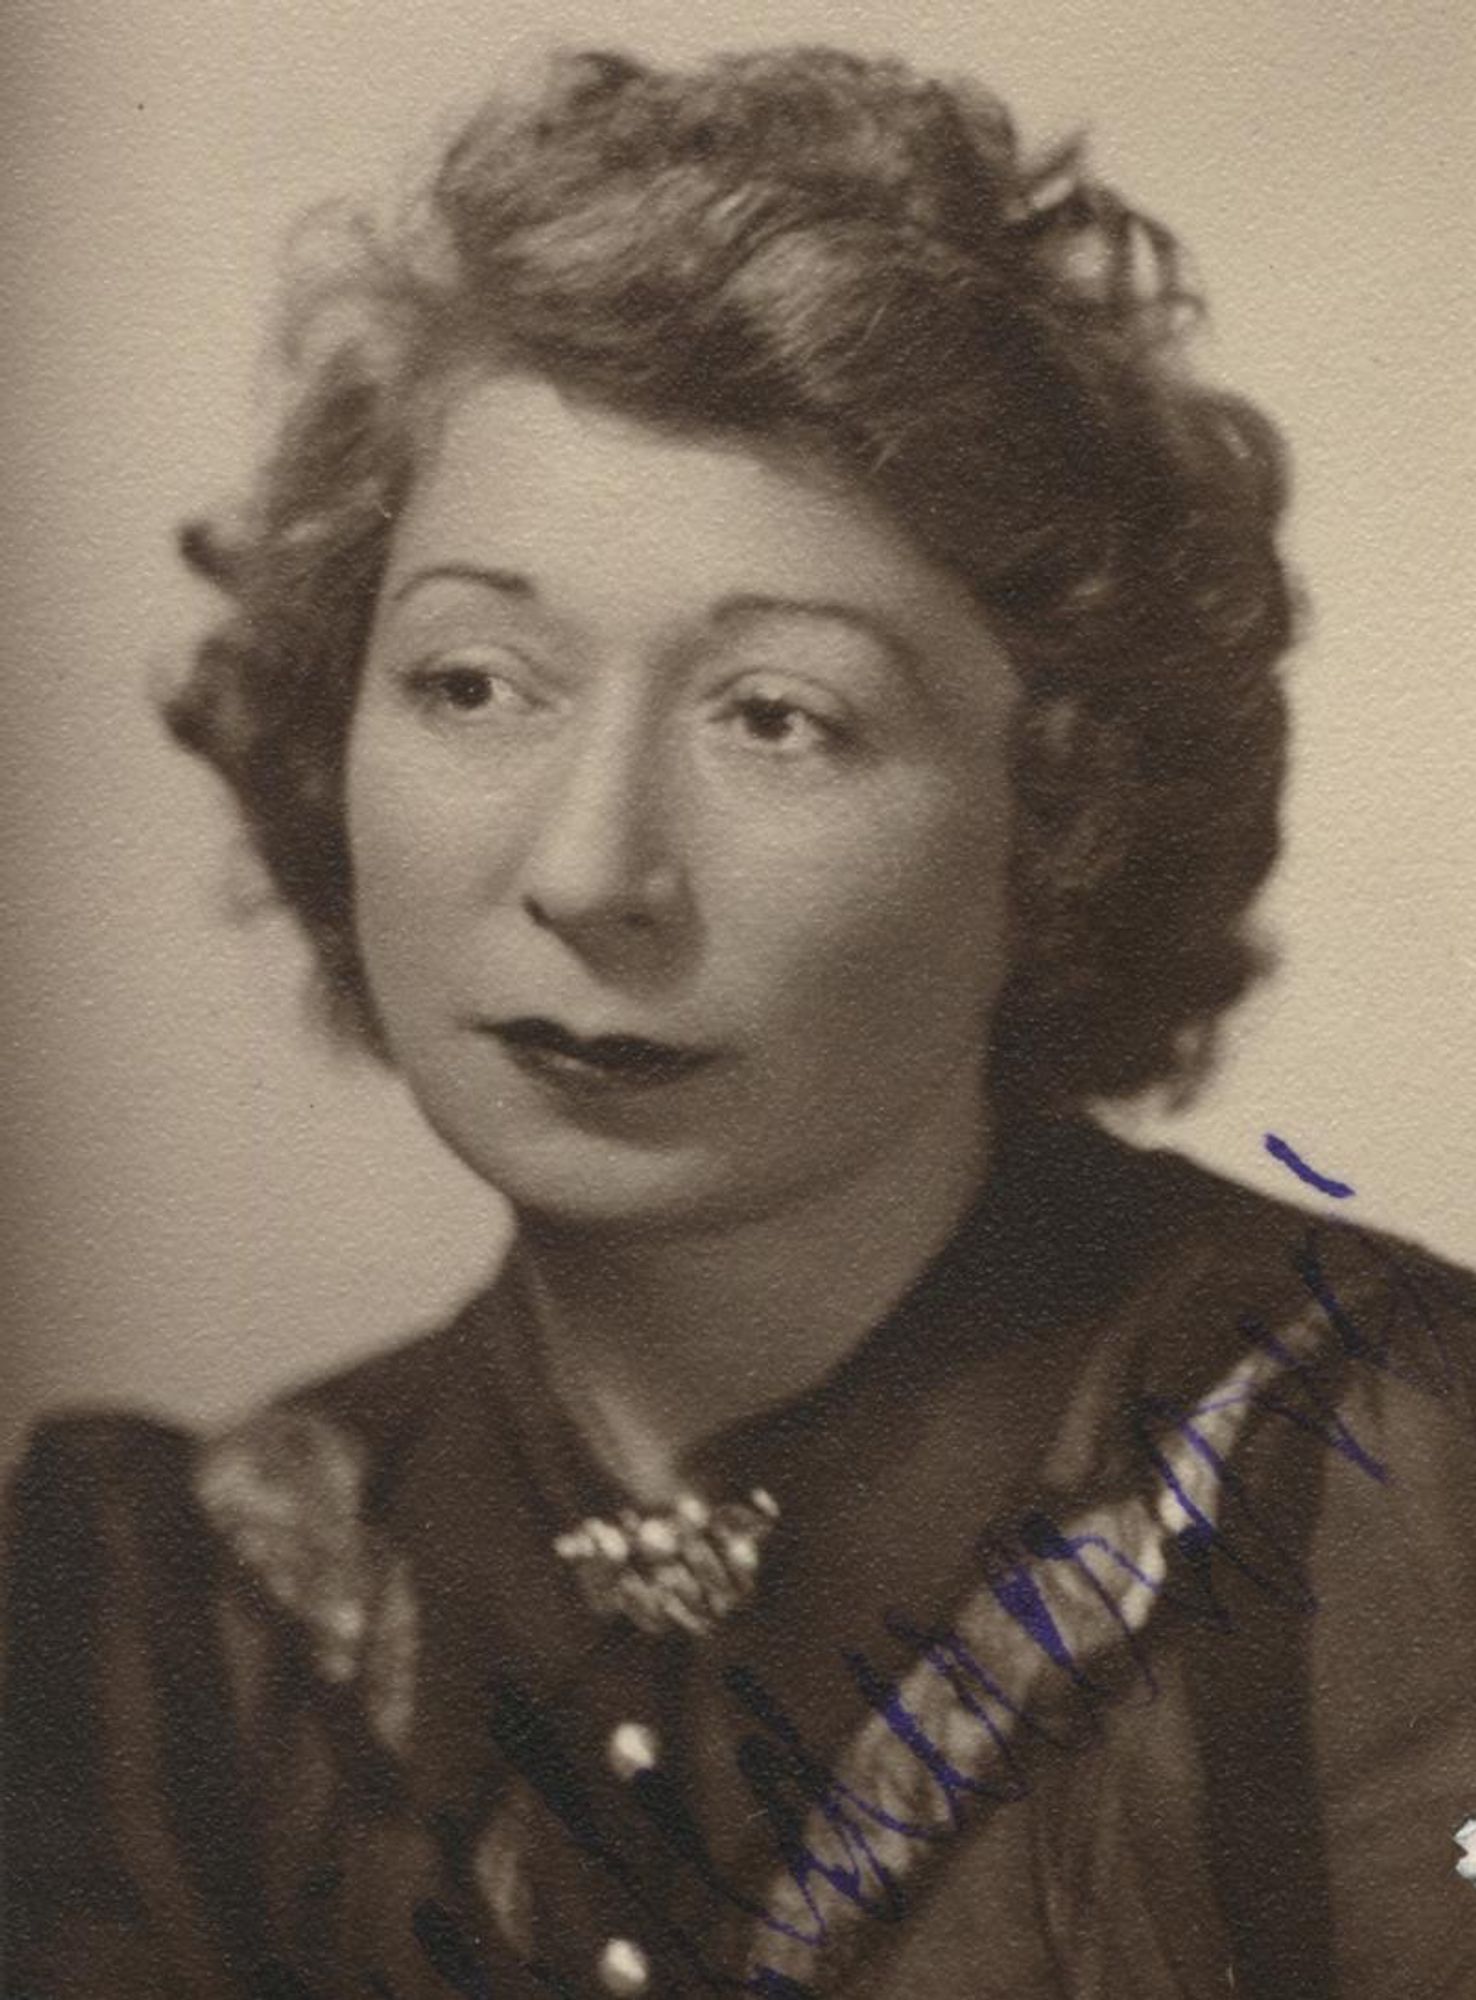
x: 786, y: 1778
x: 1280, y: 1150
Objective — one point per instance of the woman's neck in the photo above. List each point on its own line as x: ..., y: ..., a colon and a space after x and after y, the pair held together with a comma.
x: 654, y: 1341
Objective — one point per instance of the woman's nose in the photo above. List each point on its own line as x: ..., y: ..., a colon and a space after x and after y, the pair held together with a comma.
x: 603, y: 865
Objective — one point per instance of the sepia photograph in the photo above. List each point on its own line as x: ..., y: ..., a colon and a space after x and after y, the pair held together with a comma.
x: 740, y: 1001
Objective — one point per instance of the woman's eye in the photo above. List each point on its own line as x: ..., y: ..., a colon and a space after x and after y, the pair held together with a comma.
x: 468, y: 688
x: 782, y: 726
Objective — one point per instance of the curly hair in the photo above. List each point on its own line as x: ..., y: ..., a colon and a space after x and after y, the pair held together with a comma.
x: 833, y: 250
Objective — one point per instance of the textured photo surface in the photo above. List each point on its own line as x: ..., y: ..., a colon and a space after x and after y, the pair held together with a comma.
x: 739, y: 1003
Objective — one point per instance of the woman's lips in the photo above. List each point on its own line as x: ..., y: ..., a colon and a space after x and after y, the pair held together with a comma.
x: 549, y: 1049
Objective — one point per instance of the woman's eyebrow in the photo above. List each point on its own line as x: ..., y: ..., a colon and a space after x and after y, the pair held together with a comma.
x: 509, y: 582
x: 741, y: 608
x: 820, y: 610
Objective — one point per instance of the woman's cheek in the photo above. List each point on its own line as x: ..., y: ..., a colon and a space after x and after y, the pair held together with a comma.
x: 871, y: 951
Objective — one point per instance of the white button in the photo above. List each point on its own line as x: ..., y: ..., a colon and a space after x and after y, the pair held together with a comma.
x: 624, y: 1967
x: 742, y: 1553
x: 632, y: 1748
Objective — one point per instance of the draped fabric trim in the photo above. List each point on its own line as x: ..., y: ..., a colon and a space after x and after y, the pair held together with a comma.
x: 1057, y: 1630
x: 285, y: 1492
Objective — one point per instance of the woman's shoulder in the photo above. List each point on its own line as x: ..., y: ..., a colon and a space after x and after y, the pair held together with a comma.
x: 1208, y: 1250
x: 1318, y: 1366
x: 1164, y: 1196
x: 110, y: 1498
x: 100, y: 1505
x: 369, y: 1406
x: 184, y: 1556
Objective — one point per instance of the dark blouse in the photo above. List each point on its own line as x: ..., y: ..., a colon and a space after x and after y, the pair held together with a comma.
x: 1118, y: 1630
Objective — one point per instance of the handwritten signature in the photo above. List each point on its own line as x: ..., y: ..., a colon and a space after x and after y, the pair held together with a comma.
x: 797, y: 1791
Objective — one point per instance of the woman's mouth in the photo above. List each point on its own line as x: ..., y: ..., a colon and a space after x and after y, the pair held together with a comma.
x: 547, y: 1049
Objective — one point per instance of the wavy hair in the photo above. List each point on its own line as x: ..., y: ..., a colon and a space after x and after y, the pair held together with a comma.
x: 840, y: 253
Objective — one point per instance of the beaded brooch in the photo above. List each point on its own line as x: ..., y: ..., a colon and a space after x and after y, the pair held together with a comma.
x: 686, y: 1567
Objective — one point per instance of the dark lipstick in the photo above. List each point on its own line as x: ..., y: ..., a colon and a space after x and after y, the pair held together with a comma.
x: 549, y: 1049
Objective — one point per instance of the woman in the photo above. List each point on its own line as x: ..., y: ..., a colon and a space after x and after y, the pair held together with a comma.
x: 755, y: 666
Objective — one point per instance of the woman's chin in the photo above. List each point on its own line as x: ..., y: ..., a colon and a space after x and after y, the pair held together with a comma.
x: 582, y: 1181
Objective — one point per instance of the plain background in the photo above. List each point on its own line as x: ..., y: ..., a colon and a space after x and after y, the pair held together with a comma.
x: 202, y: 1202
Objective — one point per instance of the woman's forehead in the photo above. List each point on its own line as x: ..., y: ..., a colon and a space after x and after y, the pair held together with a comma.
x: 586, y: 504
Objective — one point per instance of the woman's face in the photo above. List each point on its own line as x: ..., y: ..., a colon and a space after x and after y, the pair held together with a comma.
x: 678, y: 819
